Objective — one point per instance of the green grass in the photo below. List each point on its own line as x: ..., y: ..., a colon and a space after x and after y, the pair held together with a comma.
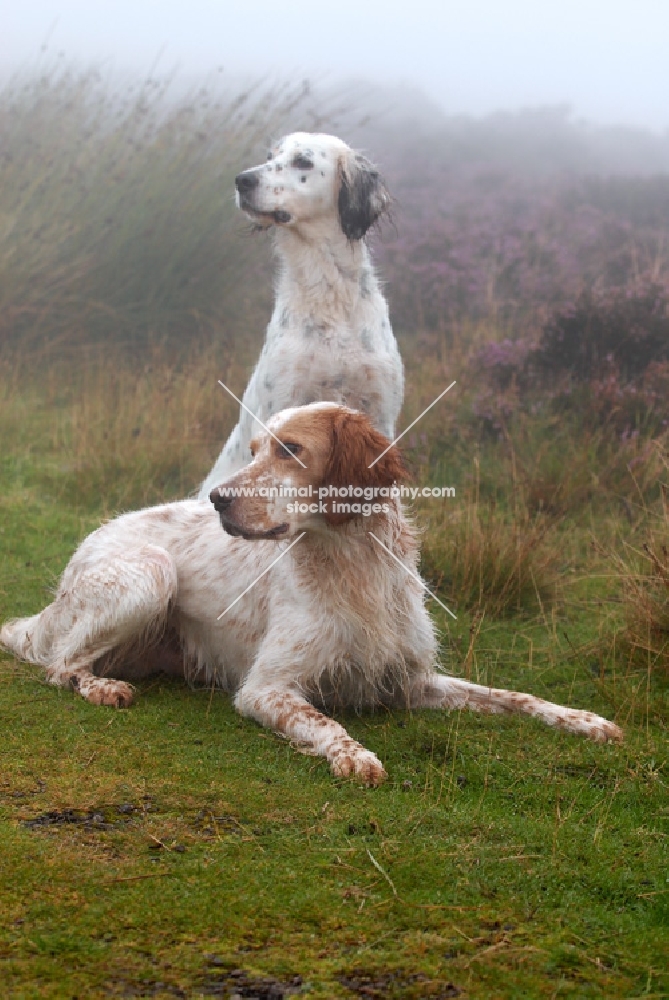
x: 501, y: 857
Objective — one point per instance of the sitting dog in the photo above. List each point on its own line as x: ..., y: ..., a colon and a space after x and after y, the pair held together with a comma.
x: 329, y: 337
x: 334, y: 617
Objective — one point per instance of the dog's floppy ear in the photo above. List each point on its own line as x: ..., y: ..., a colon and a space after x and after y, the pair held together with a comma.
x: 355, y: 445
x: 363, y: 195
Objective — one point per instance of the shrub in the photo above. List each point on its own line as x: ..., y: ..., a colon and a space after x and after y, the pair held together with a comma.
x: 618, y: 334
x: 605, y: 358
x: 503, y: 367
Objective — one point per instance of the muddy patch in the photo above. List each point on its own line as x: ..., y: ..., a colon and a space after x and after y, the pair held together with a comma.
x: 236, y: 983
x: 380, y: 985
x: 150, y: 988
x: 106, y: 817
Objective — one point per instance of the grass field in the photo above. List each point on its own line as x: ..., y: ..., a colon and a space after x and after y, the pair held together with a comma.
x: 176, y: 850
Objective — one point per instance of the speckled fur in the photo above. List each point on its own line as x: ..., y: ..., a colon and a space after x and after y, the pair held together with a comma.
x: 335, y: 622
x: 329, y: 337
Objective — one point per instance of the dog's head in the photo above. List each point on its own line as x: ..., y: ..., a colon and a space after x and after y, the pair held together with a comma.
x: 322, y: 466
x: 310, y: 178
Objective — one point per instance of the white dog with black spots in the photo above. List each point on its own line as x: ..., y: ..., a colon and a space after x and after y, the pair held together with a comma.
x: 329, y: 337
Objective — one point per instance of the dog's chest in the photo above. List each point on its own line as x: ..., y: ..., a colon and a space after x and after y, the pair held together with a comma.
x: 345, y: 617
x: 306, y: 360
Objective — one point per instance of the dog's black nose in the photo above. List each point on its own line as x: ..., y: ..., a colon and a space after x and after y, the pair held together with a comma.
x: 246, y: 181
x: 221, y: 503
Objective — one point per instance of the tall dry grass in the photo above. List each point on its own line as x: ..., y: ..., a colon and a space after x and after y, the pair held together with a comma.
x: 107, y: 435
x: 117, y: 213
x: 490, y: 558
x: 641, y: 568
x: 564, y: 467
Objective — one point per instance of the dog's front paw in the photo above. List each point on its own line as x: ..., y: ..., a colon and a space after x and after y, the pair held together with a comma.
x: 355, y: 761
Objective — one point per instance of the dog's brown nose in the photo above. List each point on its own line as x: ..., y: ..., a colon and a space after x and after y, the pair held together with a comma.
x: 220, y: 502
x: 246, y: 181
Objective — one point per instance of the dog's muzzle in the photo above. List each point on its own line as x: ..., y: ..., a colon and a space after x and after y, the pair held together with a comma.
x: 222, y: 505
x: 233, y: 529
x: 247, y: 183
x: 220, y: 502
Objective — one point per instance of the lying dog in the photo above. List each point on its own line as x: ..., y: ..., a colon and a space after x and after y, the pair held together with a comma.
x: 335, y: 617
x: 329, y: 337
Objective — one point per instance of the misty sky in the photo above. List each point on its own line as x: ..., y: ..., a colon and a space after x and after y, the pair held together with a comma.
x: 609, y: 59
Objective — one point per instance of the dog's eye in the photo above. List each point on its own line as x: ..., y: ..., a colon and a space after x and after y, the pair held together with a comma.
x: 302, y: 162
x: 289, y: 448
x: 270, y: 155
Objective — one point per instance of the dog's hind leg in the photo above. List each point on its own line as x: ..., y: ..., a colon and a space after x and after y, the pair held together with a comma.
x: 440, y: 691
x: 117, y: 603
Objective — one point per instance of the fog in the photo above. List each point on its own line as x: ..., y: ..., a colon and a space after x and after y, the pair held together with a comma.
x: 607, y: 59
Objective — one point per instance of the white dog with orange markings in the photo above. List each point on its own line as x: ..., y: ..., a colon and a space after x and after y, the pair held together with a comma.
x: 334, y: 617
